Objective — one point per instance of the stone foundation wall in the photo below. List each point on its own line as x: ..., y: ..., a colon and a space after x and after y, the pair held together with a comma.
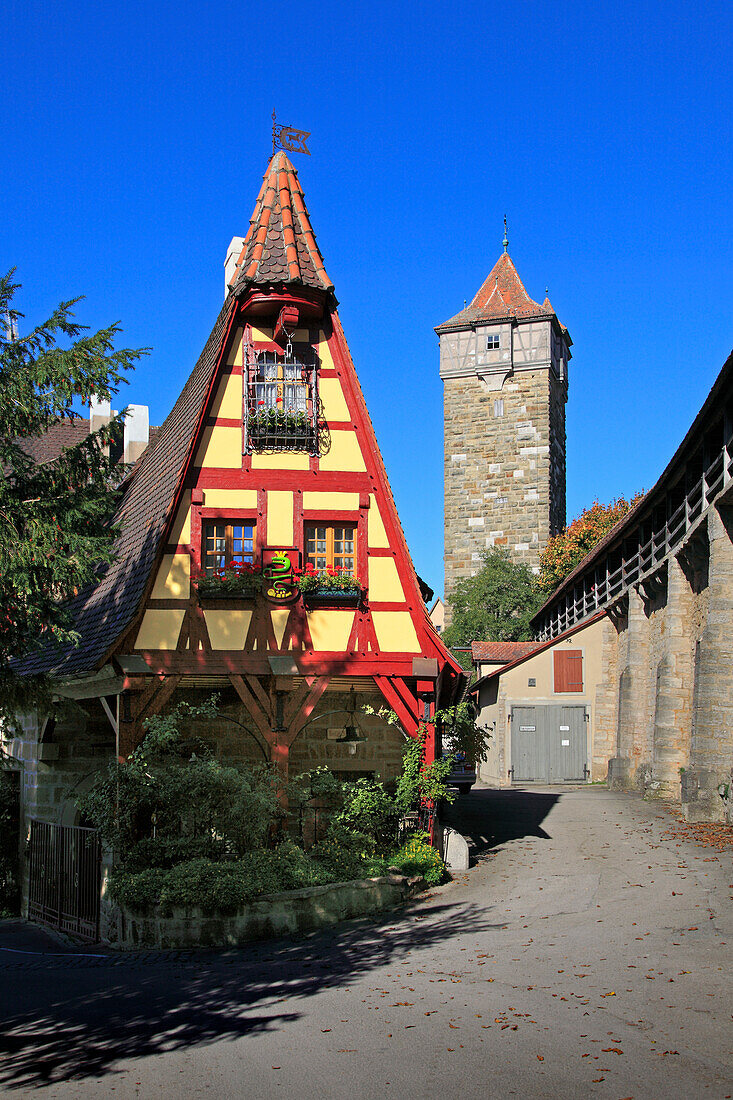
x: 296, y: 911
x: 669, y: 666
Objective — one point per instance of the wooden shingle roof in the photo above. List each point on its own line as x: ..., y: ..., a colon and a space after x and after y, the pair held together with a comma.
x: 280, y: 246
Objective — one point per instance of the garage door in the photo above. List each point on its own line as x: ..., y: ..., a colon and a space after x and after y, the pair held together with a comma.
x: 549, y: 744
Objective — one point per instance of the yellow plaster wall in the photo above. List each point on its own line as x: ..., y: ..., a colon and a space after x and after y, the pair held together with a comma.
x: 376, y: 532
x: 334, y: 402
x: 227, y: 401
x: 395, y: 631
x: 279, y: 518
x: 227, y: 629
x: 173, y: 579
x: 230, y: 498
x: 235, y: 354
x: 261, y: 334
x: 331, y: 502
x: 384, y: 582
x: 160, y: 629
x: 345, y: 453
x: 330, y: 629
x: 181, y: 530
x: 286, y: 461
x: 220, y: 448
x: 280, y: 616
x: 324, y: 352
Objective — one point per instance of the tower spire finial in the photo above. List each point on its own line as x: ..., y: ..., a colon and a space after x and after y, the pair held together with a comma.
x: 505, y: 242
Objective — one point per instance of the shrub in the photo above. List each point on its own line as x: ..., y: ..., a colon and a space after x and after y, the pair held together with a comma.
x: 368, y: 809
x: 173, y: 786
x: 217, y: 887
x: 417, y: 857
x: 344, y: 853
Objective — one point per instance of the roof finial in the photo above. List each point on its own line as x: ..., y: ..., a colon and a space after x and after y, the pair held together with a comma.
x: 505, y: 242
x: 547, y: 292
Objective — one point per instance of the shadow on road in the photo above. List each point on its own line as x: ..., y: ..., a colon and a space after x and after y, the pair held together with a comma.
x: 74, y: 1016
x: 490, y: 818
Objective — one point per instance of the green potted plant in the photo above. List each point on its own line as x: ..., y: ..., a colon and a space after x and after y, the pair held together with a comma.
x: 329, y: 587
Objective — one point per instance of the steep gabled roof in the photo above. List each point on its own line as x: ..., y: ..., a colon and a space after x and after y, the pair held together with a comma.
x: 502, y: 296
x: 103, y: 612
x: 280, y: 246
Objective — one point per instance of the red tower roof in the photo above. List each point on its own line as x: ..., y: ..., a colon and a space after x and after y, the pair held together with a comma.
x: 502, y: 295
x: 280, y: 246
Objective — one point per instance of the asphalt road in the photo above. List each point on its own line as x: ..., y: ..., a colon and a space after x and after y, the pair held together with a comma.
x: 587, y: 954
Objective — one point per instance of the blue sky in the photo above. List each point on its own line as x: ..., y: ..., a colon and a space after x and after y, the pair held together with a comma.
x: 136, y: 136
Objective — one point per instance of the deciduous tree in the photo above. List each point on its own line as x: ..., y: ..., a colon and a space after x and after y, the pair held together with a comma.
x: 564, y: 551
x: 495, y: 605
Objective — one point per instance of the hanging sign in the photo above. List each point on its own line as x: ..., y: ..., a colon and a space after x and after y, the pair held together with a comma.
x: 277, y: 570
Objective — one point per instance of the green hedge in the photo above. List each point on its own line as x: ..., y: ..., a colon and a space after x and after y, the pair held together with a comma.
x: 224, y: 887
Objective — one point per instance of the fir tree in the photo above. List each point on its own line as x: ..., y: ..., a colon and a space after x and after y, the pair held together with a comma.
x: 56, y: 532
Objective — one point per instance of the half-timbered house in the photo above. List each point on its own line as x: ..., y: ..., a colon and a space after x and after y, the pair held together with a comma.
x: 267, y: 471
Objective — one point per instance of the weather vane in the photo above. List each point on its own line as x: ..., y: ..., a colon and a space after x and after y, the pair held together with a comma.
x: 505, y: 242
x: 286, y: 137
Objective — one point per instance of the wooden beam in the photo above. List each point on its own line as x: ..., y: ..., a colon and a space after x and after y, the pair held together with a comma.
x: 253, y: 708
x: 397, y: 704
x: 306, y: 709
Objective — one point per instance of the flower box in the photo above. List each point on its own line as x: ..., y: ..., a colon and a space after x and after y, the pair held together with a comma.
x: 330, y: 597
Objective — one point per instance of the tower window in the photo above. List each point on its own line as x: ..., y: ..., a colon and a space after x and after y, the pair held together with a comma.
x: 499, y: 406
x: 493, y: 341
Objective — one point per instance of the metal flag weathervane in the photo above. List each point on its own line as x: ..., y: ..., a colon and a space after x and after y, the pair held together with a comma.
x: 286, y: 137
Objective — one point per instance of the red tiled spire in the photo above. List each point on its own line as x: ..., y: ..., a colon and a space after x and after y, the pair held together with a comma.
x: 280, y: 246
x: 502, y: 295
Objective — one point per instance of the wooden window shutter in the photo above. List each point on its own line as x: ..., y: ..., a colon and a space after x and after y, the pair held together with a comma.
x: 568, y: 669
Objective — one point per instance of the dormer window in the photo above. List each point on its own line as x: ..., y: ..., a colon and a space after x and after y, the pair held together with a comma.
x: 493, y: 341
x: 281, y: 403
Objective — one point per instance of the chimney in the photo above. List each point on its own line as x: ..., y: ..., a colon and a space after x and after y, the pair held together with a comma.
x: 137, y: 432
x: 230, y: 264
x: 100, y: 414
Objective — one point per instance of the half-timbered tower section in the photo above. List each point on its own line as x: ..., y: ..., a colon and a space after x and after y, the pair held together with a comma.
x: 504, y: 364
x: 664, y: 575
x: 261, y: 556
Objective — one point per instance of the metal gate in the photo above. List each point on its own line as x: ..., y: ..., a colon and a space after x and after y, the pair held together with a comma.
x: 549, y: 744
x: 64, y: 886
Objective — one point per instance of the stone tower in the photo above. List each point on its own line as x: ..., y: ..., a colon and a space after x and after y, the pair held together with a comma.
x: 504, y: 365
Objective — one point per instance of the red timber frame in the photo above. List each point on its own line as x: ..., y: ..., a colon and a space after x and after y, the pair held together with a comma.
x: 248, y: 670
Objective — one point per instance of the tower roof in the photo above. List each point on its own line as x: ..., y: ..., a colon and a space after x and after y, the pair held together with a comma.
x: 280, y: 246
x: 502, y: 295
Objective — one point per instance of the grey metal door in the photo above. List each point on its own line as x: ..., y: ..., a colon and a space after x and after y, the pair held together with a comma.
x: 528, y: 744
x: 548, y: 743
x: 566, y: 744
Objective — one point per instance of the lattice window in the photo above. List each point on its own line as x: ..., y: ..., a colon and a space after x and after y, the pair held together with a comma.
x: 281, y: 403
x: 228, y: 543
x: 328, y: 547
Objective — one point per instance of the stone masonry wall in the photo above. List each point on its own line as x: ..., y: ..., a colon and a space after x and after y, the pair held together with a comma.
x: 497, y: 469
x: 711, y: 756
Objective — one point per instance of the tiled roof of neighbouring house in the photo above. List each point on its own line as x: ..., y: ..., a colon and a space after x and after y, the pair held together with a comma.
x: 59, y: 437
x: 280, y: 246
x: 103, y: 612
x: 501, y: 651
x: 501, y: 296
